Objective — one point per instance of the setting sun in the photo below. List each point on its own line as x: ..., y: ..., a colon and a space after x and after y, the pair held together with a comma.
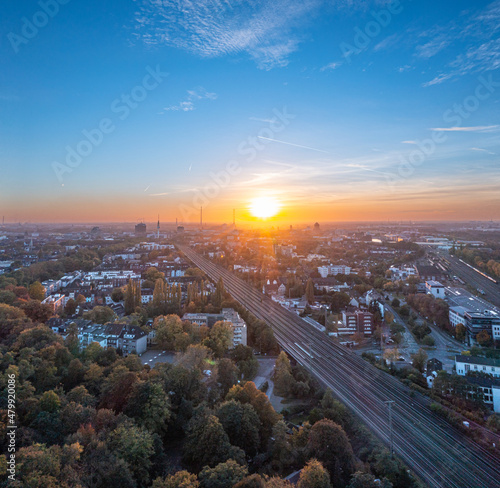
x: 264, y: 207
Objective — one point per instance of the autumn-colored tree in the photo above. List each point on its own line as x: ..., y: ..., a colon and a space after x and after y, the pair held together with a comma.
x: 283, y: 379
x: 181, y: 479
x: 314, y: 475
x: 224, y: 475
x: 483, y: 338
x: 419, y: 360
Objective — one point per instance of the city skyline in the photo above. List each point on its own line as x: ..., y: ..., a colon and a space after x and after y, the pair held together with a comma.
x: 351, y: 111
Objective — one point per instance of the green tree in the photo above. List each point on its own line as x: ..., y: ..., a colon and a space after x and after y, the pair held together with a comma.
x: 460, y: 332
x: 241, y: 423
x: 117, y: 295
x: 314, y: 475
x: 135, y: 446
x: 150, y: 406
x: 207, y: 444
x: 220, y: 338
x: 227, y: 375
x: 100, y: 315
x: 168, y: 331
x: 70, y: 307
x: 224, y: 475
x: 218, y: 296
x: 37, y: 291
x: 329, y: 444
x: 366, y: 480
x: 50, y: 402
x: 283, y: 378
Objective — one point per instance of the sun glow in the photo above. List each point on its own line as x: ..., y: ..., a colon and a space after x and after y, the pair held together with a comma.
x: 264, y: 207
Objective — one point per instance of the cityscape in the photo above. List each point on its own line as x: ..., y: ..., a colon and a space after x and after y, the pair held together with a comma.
x: 250, y: 244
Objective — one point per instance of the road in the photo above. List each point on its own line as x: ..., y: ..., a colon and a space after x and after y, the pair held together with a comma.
x: 471, y: 277
x: 442, y: 456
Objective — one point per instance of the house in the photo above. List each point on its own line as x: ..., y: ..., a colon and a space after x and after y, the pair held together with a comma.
x: 55, y: 302
x: 474, y: 364
x: 434, y: 364
x: 490, y: 388
x: 434, y: 288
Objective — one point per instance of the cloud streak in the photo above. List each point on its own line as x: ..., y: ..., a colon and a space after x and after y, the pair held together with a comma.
x: 211, y: 28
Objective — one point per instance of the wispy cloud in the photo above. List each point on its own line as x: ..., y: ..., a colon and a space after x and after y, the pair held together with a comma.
x: 331, y: 66
x: 408, y: 142
x: 188, y: 104
x: 479, y: 44
x: 212, y: 28
x: 292, y: 144
x: 482, y: 150
x: 480, y: 128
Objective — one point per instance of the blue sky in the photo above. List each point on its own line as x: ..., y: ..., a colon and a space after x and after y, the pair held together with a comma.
x: 395, y: 109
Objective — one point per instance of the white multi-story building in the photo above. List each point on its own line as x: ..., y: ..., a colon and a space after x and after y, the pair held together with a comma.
x: 475, y: 364
x: 333, y: 269
x: 230, y: 315
x: 435, y: 288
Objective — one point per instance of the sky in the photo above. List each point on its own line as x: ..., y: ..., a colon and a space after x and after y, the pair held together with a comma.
x: 120, y: 110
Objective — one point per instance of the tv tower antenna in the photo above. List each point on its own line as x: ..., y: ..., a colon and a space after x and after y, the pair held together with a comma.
x: 201, y: 217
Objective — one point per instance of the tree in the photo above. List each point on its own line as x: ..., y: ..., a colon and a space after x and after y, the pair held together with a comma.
x: 227, y: 375
x: 135, y: 446
x: 100, y: 315
x: 50, y: 402
x: 460, y: 332
x: 181, y: 479
x: 283, y: 379
x: 37, y: 291
x: 314, y: 475
x: 366, y: 480
x: 248, y: 393
x: 220, y: 338
x: 36, y: 311
x: 195, y: 358
x: 8, y: 297
x: 218, y: 296
x: 224, y: 475
x: 70, y: 307
x: 339, y: 301
x: 207, y: 444
x: 483, y: 338
x: 252, y: 481
x: 241, y: 423
x: 310, y: 291
x: 395, y: 303
x: 150, y: 406
x: 117, y: 295
x: 168, y: 330
x: 419, y: 360
x: 329, y: 444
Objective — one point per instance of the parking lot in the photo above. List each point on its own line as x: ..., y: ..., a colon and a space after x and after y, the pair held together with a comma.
x: 154, y: 356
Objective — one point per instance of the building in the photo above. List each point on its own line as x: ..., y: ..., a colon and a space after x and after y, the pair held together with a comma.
x: 463, y: 302
x: 333, y: 270
x: 490, y: 388
x: 475, y: 322
x: 429, y: 273
x: 356, y: 321
x: 434, y: 288
x: 55, y: 302
x: 230, y: 315
x: 140, y: 230
x: 129, y: 338
x: 474, y: 364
